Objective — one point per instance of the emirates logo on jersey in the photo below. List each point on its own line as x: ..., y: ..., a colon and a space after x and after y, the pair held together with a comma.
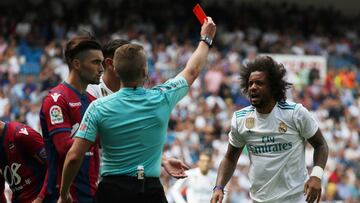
x: 282, y: 127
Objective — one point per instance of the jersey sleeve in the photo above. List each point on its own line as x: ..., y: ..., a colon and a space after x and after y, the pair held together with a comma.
x: 174, y: 90
x: 56, y: 114
x: 234, y: 136
x: 31, y: 142
x: 176, y: 190
x: 304, y: 122
x: 89, y: 124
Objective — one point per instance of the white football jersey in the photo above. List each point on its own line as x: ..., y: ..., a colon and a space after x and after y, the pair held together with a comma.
x: 276, y: 145
x: 198, y: 187
x: 100, y: 90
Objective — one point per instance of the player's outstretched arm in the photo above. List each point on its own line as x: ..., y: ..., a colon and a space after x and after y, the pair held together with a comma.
x: 199, y: 57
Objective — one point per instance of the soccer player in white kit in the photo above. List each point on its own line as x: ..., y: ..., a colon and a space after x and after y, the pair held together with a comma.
x: 275, y: 133
x: 110, y: 83
x: 197, y: 183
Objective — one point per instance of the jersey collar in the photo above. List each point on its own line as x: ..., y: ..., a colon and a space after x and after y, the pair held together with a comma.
x: 73, y: 89
x: 131, y: 90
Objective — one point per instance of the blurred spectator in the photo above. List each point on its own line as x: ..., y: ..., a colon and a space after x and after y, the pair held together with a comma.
x: 4, y: 106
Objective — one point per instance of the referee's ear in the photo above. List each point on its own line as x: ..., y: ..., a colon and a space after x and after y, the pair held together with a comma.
x: 116, y: 73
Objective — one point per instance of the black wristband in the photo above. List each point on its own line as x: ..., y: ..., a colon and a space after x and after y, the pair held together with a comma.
x: 207, y: 40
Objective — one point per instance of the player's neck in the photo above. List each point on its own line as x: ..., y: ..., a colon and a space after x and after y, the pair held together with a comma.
x: 268, y: 108
x: 75, y: 81
x: 111, y: 81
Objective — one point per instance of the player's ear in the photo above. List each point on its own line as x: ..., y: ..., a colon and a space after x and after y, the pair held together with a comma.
x: 108, y: 62
x: 75, y: 64
x: 145, y: 70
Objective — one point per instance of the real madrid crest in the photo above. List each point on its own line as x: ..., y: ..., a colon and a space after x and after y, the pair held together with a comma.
x: 282, y: 127
x: 250, y: 122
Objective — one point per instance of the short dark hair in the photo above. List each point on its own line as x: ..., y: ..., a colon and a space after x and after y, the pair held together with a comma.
x: 129, y: 62
x: 78, y: 45
x: 275, y: 73
x: 110, y: 47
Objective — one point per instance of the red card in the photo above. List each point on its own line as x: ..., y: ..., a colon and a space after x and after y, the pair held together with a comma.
x: 200, y: 14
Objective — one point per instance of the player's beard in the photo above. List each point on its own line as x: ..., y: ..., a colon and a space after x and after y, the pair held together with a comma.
x: 95, y: 81
x: 90, y: 78
x: 260, y: 102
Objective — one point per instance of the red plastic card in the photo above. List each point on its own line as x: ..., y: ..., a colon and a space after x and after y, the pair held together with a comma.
x: 199, y: 13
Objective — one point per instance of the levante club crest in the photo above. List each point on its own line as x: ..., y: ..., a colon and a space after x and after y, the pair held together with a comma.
x: 282, y: 127
x: 250, y: 122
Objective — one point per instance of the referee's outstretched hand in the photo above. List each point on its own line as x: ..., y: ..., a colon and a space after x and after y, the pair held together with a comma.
x: 208, y: 28
x: 175, y: 167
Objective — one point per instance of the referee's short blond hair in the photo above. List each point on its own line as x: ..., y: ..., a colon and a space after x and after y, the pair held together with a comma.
x: 130, y: 63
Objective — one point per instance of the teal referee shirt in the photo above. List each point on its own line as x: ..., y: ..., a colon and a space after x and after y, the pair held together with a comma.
x: 132, y: 126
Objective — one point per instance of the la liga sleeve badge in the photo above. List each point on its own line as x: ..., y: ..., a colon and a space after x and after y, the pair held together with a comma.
x: 56, y: 116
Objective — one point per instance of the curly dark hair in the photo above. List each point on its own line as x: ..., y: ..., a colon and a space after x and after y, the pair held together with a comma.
x: 275, y: 73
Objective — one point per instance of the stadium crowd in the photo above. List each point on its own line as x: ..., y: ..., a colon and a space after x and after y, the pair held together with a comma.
x: 31, y: 63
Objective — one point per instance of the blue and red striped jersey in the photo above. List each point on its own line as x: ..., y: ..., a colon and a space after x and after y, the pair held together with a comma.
x: 22, y: 161
x: 60, y: 116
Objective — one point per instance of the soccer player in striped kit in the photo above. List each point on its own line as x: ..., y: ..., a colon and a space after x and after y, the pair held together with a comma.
x: 61, y: 113
x: 22, y: 163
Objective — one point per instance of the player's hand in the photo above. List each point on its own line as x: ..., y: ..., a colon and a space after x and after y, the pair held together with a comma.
x: 37, y: 200
x: 175, y: 167
x: 217, y: 196
x: 66, y: 199
x: 208, y: 28
x: 312, y: 190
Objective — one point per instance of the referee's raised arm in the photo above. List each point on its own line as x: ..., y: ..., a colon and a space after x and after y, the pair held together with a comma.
x: 199, y: 57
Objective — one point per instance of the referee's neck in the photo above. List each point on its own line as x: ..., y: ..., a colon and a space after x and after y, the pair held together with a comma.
x: 131, y: 84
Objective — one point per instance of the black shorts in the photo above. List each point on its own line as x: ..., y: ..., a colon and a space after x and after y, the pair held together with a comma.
x: 117, y: 189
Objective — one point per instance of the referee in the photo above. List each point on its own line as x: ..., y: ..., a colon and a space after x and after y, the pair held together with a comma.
x: 132, y: 126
